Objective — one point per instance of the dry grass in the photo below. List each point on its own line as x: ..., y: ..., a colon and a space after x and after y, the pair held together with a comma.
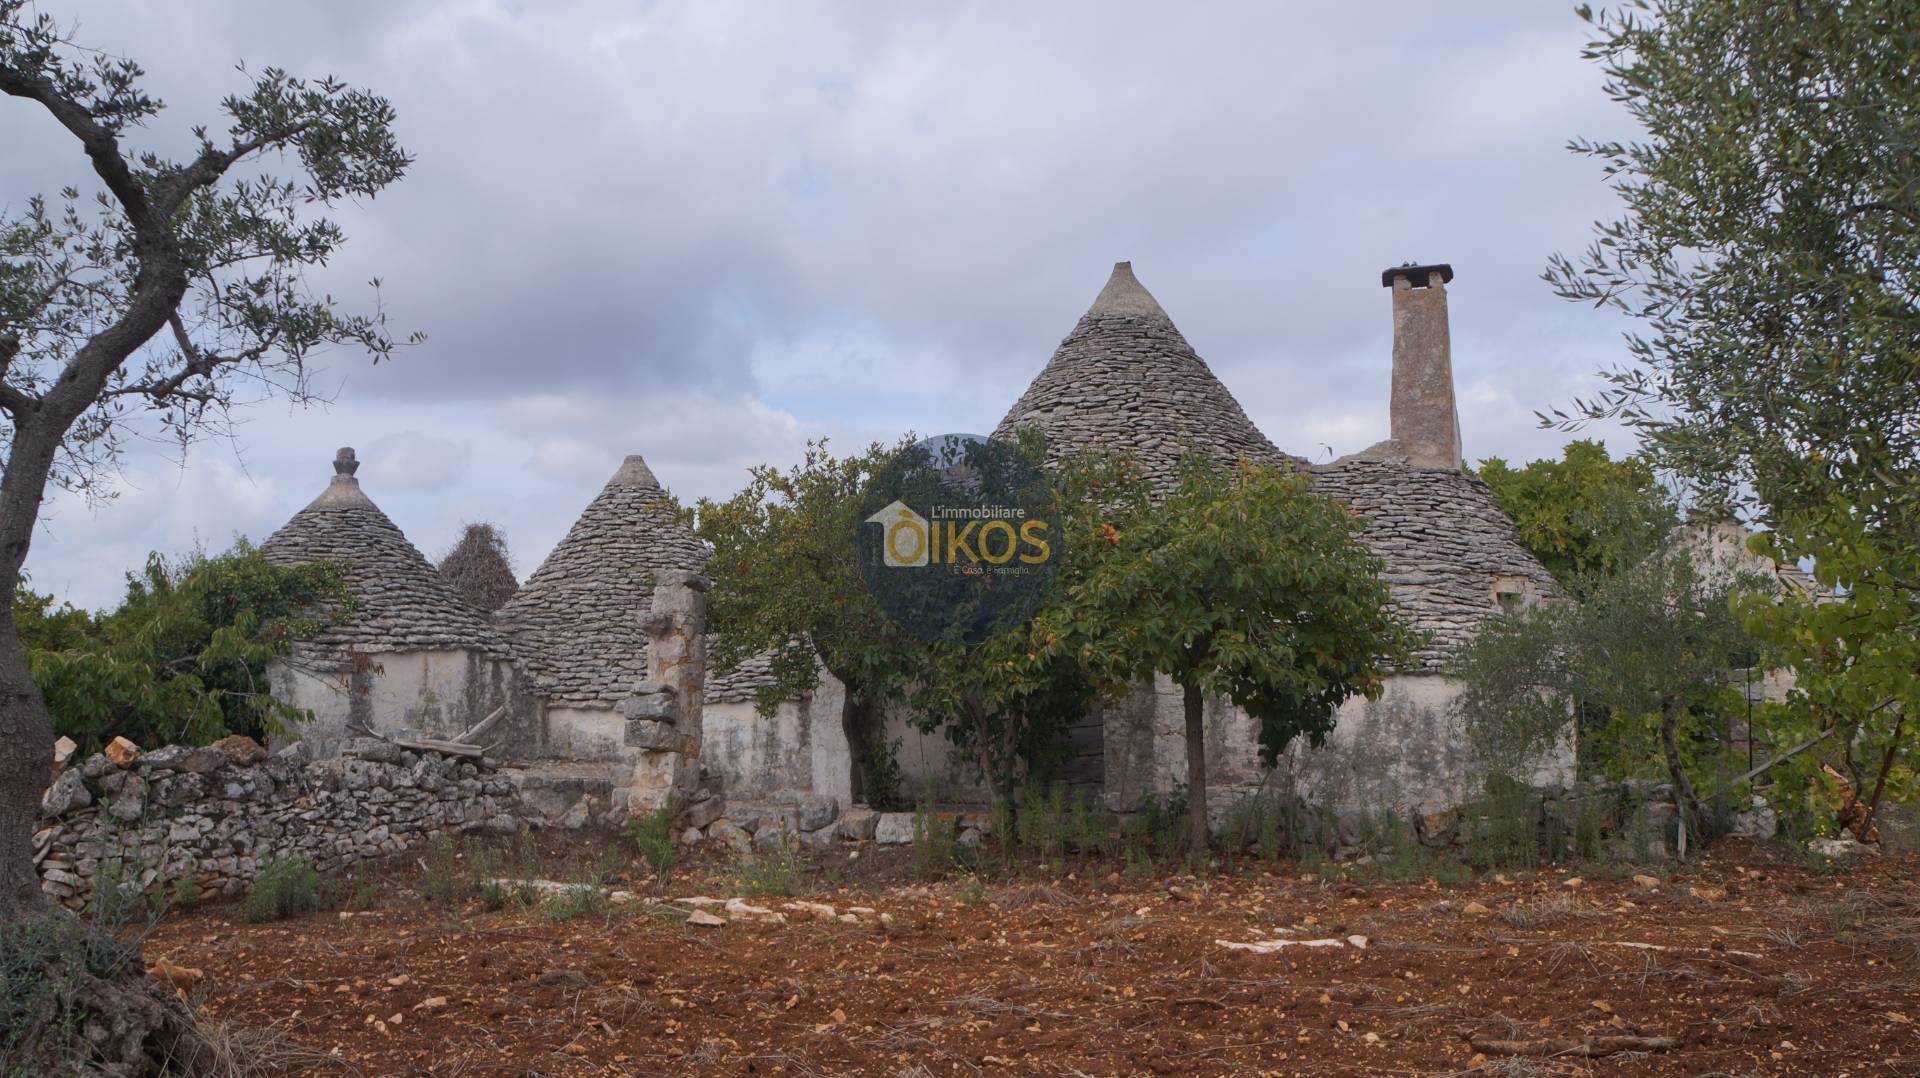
x: 1541, y: 912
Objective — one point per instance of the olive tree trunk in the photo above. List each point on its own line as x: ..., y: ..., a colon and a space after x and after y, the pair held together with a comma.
x: 26, y: 731
x: 1692, y: 817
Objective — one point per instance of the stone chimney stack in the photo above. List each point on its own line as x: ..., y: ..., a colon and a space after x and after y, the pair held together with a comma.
x: 1426, y: 421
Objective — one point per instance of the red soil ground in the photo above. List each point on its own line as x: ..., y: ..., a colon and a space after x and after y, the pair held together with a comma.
x: 1752, y: 964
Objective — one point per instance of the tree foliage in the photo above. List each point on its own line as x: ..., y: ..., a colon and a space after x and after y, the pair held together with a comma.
x: 1655, y: 652
x: 1855, y: 657
x: 787, y: 589
x: 1240, y: 584
x: 1769, y: 247
x: 1586, y: 515
x: 155, y: 293
x: 480, y: 569
x: 184, y: 657
x: 1770, y: 244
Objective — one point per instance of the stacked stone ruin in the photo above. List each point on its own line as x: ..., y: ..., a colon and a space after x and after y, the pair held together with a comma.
x: 189, y: 823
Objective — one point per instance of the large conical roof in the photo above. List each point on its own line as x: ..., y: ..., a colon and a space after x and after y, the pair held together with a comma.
x: 1125, y: 380
x: 576, y: 621
x: 402, y: 603
x: 1446, y: 545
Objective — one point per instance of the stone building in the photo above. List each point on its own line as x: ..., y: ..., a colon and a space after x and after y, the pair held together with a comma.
x: 410, y: 656
x: 1126, y: 380
x: 577, y: 626
x: 569, y: 653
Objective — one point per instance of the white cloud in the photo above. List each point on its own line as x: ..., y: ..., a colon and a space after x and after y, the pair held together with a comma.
x: 707, y: 232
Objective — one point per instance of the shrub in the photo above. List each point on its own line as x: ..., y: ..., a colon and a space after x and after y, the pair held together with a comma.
x: 583, y: 900
x: 652, y: 836
x: 933, y: 843
x: 767, y: 871
x: 288, y: 887
x: 441, y: 880
x: 43, y: 962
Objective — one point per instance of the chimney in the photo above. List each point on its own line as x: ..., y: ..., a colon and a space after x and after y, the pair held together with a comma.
x: 1426, y: 421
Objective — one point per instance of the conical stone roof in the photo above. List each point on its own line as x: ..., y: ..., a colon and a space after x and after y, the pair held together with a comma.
x: 576, y: 621
x: 1126, y: 381
x: 403, y: 604
x: 1444, y: 540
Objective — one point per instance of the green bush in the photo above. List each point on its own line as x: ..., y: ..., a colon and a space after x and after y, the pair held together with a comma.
x: 288, y: 887
x: 184, y: 657
x: 652, y: 837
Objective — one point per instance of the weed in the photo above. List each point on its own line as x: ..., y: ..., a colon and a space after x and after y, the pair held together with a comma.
x: 583, y: 900
x: 934, y: 842
x: 652, y: 837
x: 288, y: 887
x: 971, y: 891
x: 440, y: 882
x: 773, y: 871
x: 1541, y: 911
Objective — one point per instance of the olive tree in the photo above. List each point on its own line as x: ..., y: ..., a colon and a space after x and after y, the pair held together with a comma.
x: 153, y: 292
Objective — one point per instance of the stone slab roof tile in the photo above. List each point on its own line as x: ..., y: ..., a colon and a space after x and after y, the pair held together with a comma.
x: 1444, y: 540
x: 576, y: 621
x: 1125, y: 380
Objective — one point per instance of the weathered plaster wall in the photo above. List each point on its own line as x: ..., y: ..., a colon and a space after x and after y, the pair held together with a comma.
x: 583, y: 733
x: 1392, y: 753
x: 930, y: 762
x: 437, y: 693
x: 798, y: 750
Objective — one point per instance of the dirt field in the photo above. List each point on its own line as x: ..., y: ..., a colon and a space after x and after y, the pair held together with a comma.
x: 1750, y: 964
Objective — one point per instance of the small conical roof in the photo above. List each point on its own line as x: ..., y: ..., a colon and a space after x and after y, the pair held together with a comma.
x: 1126, y: 381
x: 576, y: 621
x: 403, y: 603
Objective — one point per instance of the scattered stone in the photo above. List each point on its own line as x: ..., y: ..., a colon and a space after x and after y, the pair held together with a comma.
x: 579, y: 815
x: 1841, y: 848
x: 121, y: 752
x: 858, y: 824
x: 701, y: 813
x: 63, y: 750
x: 705, y: 919
x: 893, y: 829
x: 819, y: 911
x: 815, y: 812
x: 178, y: 978
x: 1357, y: 942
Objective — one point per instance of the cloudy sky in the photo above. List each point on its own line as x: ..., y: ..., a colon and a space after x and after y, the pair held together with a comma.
x: 705, y: 231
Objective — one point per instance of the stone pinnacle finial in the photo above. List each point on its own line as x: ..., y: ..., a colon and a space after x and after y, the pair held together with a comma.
x: 633, y: 473
x: 344, y: 462
x: 1125, y: 296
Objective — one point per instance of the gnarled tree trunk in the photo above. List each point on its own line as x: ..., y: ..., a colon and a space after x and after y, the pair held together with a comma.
x: 26, y: 731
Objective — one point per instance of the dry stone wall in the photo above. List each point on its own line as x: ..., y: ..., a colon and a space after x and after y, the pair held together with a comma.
x: 200, y: 822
